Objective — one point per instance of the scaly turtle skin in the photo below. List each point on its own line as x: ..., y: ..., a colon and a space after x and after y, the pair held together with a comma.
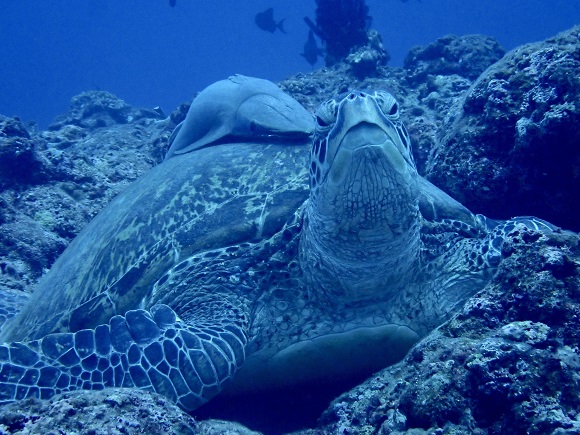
x: 221, y: 270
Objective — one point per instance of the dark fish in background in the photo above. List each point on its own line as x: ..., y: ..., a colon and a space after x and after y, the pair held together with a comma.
x: 311, y: 49
x: 172, y: 3
x: 265, y: 21
x: 313, y: 27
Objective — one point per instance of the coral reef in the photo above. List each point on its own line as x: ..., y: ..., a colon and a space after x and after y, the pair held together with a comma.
x: 20, y: 159
x: 93, y: 109
x: 366, y: 60
x: 109, y: 412
x: 467, y: 56
x: 511, y: 145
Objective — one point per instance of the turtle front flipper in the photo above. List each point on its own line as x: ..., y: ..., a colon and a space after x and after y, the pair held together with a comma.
x: 152, y: 350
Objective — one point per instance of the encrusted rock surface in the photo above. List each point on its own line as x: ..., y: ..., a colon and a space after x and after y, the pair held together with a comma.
x: 21, y: 161
x: 113, y: 411
x: 108, y: 412
x: 467, y: 56
x: 95, y: 109
x: 367, y: 60
x: 512, y: 144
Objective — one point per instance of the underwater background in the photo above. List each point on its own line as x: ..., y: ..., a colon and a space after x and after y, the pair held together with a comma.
x: 152, y: 54
x: 495, y: 127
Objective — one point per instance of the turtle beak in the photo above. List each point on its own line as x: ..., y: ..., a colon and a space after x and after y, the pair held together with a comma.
x: 363, y: 135
x: 368, y: 142
x: 366, y: 137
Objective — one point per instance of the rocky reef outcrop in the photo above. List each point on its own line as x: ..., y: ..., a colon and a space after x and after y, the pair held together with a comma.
x: 511, y: 145
x: 467, y: 56
x: 109, y: 412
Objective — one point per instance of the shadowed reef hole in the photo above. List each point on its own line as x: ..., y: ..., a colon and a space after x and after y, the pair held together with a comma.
x: 280, y: 411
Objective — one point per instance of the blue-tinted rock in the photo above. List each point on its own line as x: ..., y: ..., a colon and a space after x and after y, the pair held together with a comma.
x: 467, y: 56
x: 112, y: 411
x: 506, y: 360
x: 511, y: 146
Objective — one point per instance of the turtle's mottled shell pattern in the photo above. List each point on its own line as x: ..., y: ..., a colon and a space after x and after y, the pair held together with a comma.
x: 216, y: 197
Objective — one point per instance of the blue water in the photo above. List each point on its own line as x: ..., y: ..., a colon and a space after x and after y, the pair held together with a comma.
x: 150, y: 54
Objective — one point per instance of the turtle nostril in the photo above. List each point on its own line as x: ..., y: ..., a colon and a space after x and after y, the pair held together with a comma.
x: 355, y: 95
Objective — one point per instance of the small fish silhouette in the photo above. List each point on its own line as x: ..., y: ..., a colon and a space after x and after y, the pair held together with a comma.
x: 265, y: 21
x: 311, y: 49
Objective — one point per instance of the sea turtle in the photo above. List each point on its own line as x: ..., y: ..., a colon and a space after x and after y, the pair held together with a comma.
x: 250, y: 265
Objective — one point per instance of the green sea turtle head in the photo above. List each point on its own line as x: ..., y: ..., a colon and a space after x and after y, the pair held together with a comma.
x: 361, y: 157
x: 363, y: 211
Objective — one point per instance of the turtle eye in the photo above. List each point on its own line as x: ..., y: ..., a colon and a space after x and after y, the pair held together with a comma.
x: 320, y: 121
x: 388, y: 105
x: 326, y: 114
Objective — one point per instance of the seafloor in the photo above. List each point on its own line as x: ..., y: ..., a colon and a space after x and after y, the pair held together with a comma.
x: 497, y: 131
